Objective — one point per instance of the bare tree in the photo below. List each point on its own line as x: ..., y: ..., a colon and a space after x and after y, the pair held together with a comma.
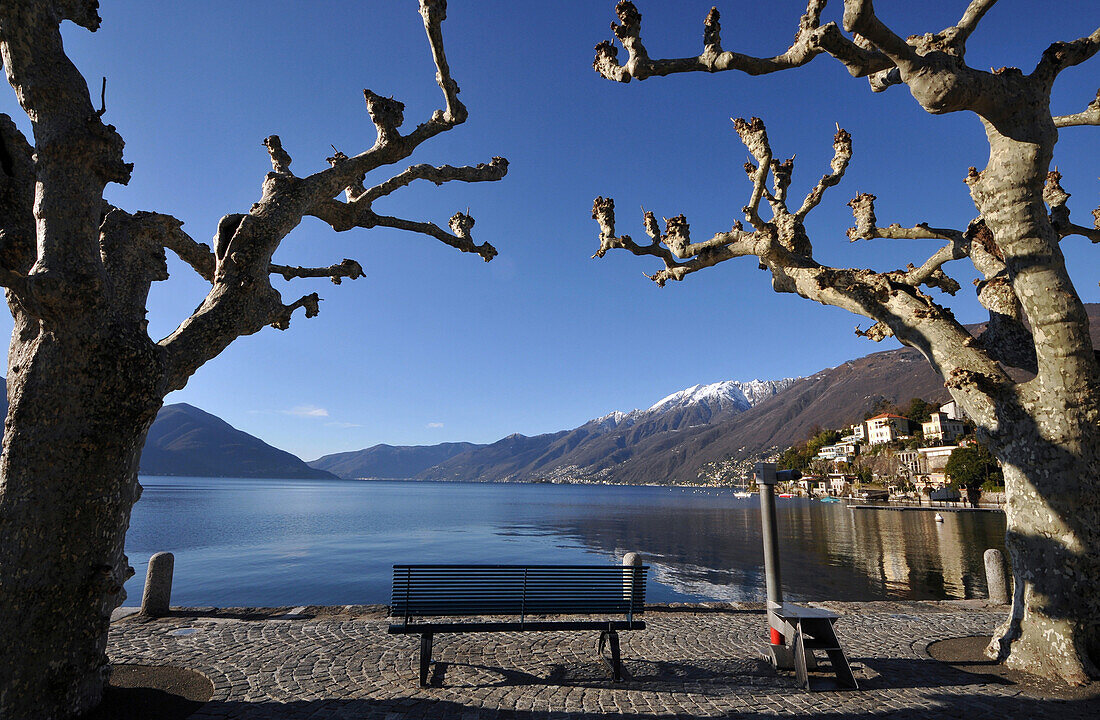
x: 1045, y: 430
x: 85, y: 381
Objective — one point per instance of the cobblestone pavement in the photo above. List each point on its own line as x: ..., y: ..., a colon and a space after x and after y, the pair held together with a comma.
x: 688, y: 663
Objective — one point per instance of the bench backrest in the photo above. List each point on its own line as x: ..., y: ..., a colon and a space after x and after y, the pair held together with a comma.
x: 424, y: 590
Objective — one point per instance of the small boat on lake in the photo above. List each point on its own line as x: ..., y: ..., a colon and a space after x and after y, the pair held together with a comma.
x: 830, y: 499
x: 786, y: 495
x: 742, y: 494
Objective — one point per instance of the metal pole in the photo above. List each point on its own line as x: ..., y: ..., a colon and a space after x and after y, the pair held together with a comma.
x: 765, y: 480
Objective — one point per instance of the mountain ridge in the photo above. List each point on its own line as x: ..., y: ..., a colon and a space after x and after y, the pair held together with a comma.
x: 185, y: 440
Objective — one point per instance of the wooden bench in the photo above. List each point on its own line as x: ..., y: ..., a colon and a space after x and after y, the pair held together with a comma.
x: 422, y: 594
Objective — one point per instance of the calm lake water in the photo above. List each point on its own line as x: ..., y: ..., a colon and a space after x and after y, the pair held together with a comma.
x: 333, y: 542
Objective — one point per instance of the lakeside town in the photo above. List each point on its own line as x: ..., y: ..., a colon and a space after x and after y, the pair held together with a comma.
x: 929, y: 454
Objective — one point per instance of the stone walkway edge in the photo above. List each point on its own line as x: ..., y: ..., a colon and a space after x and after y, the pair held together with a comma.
x: 691, y: 661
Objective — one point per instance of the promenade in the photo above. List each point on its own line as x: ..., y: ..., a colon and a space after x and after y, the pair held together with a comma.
x: 691, y: 662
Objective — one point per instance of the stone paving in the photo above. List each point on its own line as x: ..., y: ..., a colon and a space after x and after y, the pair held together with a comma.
x: 688, y: 663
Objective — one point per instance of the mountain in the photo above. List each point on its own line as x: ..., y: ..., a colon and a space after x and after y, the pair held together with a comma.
x: 700, y: 431
x: 389, y: 461
x: 187, y: 441
x: 597, y: 449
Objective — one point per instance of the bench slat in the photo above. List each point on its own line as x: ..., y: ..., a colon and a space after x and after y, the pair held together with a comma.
x: 439, y: 590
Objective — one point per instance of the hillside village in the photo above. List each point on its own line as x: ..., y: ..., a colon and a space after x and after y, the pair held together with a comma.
x: 887, y: 454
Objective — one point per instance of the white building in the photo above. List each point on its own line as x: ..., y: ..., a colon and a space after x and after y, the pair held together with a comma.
x: 942, y: 428
x: 886, y: 427
x: 933, y: 461
x: 909, y: 463
x: 841, y: 452
x: 953, y: 411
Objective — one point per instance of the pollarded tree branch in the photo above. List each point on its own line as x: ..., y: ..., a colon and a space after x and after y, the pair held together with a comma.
x: 930, y: 272
x: 860, y: 18
x: 357, y: 212
x: 1062, y: 55
x: 482, y: 172
x: 892, y: 299
x: 722, y: 246
x: 280, y: 317
x: 196, y: 254
x: 811, y: 40
x: 970, y: 19
x: 1090, y: 115
x: 863, y: 208
x: 842, y: 154
x: 755, y: 137
x: 242, y: 300
x: 1056, y: 198
x: 346, y: 269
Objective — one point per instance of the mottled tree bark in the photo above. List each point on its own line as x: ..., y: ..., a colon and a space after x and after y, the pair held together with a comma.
x: 1045, y: 430
x: 85, y: 381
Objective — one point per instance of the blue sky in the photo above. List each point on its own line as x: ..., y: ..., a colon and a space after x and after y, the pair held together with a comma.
x: 433, y: 345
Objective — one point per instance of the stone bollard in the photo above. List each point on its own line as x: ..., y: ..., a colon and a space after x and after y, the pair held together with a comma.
x: 158, y: 585
x: 631, y: 577
x: 995, y: 577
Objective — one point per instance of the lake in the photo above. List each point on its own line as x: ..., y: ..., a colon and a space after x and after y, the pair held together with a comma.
x: 246, y: 542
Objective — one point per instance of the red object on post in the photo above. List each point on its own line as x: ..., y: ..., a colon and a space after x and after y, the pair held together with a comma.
x: 777, y: 639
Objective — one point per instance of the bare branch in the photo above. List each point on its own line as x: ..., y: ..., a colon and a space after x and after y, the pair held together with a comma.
x: 1090, y: 116
x: 494, y: 170
x: 359, y: 213
x: 755, y: 137
x: 931, y: 272
x: 722, y: 246
x: 842, y: 153
x: 460, y: 225
x: 876, y: 333
x: 860, y: 59
x: 434, y: 13
x: 280, y: 319
x: 241, y: 300
x: 347, y: 269
x: 970, y: 19
x: 196, y: 254
x: 863, y: 208
x: 811, y: 40
x: 1062, y: 55
x: 82, y: 12
x: 860, y: 18
x: 1056, y: 198
x: 280, y: 159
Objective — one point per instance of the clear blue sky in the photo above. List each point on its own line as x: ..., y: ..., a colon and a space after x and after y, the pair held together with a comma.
x: 433, y: 345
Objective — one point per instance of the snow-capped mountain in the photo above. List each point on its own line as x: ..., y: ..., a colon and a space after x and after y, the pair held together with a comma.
x: 730, y: 394
x: 698, y: 404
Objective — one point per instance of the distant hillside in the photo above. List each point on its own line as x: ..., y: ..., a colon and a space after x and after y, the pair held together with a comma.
x: 674, y: 447
x: 187, y: 441
x: 599, y: 448
x: 389, y: 461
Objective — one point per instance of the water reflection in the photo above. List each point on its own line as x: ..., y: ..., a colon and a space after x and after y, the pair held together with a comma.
x: 286, y: 542
x: 712, y: 549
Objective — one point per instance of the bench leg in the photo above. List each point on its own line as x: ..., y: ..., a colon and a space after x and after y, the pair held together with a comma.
x: 612, y: 637
x: 425, y: 657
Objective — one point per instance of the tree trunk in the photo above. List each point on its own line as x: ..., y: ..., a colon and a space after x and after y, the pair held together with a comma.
x: 1053, y: 514
x: 81, y: 406
x: 1048, y: 428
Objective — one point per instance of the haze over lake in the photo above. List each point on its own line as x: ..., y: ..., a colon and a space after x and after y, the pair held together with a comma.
x: 333, y: 542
